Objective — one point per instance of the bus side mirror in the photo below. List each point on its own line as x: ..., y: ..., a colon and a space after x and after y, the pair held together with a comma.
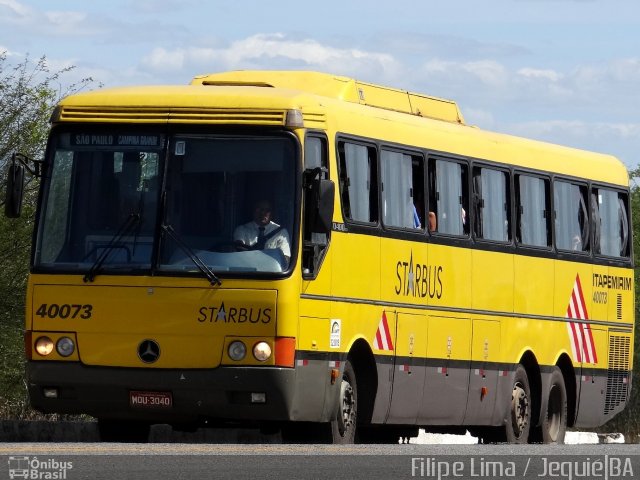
x: 324, y: 218
x: 15, y: 190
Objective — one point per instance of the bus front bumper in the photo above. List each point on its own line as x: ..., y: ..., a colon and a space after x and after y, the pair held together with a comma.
x: 225, y: 394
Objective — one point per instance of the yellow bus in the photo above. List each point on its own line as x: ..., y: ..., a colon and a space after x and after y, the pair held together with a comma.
x: 342, y: 261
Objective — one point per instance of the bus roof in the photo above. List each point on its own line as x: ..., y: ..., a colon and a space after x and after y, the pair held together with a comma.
x: 397, y: 116
x: 340, y: 88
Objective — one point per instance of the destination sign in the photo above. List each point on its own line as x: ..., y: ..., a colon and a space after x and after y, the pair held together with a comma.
x: 114, y: 140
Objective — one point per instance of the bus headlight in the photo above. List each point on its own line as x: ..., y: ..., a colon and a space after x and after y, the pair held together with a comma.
x: 65, y: 346
x: 44, y: 346
x: 237, y: 350
x: 262, y: 351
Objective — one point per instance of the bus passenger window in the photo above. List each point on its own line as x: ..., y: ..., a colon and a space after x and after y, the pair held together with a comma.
x: 612, y: 223
x: 358, y: 182
x: 571, y: 216
x: 402, y: 190
x: 448, y: 198
x: 492, y: 203
x: 532, y: 200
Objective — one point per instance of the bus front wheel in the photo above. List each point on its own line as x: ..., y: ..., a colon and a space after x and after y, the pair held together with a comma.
x: 343, y: 427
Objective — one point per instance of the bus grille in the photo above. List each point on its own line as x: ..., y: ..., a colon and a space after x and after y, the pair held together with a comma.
x: 184, y: 115
x: 618, y: 372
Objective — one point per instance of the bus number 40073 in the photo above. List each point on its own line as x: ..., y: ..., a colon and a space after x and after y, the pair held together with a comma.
x: 64, y: 310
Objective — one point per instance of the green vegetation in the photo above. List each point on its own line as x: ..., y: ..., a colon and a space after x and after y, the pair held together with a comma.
x: 28, y: 93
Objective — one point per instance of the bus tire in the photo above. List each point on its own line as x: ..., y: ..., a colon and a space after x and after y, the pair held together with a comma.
x: 343, y: 427
x: 123, y: 431
x: 554, y: 424
x: 518, y: 422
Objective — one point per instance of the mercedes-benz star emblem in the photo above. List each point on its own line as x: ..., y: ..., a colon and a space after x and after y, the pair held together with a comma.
x: 149, y: 351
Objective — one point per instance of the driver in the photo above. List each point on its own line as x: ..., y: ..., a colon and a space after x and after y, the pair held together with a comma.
x: 261, y: 233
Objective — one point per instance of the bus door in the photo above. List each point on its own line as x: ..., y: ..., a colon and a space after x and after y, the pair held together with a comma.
x: 408, y: 368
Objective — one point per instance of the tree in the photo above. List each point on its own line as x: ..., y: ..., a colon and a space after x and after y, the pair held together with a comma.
x: 28, y: 94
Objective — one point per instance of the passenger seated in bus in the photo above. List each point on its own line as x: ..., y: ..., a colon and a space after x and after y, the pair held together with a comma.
x: 576, y: 243
x: 261, y: 233
x: 417, y: 223
x: 433, y: 222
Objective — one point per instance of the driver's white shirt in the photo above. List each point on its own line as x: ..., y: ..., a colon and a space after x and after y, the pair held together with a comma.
x: 248, y: 234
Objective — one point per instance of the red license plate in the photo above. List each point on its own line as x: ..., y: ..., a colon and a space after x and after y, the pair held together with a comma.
x: 151, y: 399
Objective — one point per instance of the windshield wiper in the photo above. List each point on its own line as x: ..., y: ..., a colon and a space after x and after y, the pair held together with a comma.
x: 206, y: 271
x: 129, y: 222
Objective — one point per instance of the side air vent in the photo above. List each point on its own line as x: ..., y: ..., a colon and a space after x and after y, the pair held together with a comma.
x: 619, y: 306
x: 618, y: 372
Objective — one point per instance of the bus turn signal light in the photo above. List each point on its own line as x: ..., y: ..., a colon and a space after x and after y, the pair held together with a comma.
x: 285, y: 351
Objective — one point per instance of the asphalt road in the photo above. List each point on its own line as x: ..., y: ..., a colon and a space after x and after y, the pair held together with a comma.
x: 221, y: 461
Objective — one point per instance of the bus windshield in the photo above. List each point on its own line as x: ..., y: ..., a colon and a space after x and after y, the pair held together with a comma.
x: 230, y: 199
x: 104, y: 208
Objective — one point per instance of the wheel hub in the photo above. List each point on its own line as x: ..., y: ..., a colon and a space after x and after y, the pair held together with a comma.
x: 346, y: 419
x: 519, y: 409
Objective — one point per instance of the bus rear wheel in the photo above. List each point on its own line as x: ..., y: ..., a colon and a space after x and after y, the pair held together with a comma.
x: 519, y: 420
x: 343, y: 427
x: 554, y: 425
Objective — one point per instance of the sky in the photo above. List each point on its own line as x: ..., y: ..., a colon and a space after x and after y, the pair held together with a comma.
x: 563, y: 71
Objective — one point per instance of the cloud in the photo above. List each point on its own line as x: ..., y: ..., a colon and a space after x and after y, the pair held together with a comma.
x: 69, y: 23
x: 451, y: 47
x: 267, y: 50
x: 48, y: 22
x: 161, y: 6
x: 536, y: 74
x: 12, y: 11
x: 578, y: 105
x: 463, y: 80
x: 8, y: 52
x: 619, y: 71
x: 473, y: 116
x: 15, y: 8
x: 578, y: 129
x: 592, y: 90
x: 615, y: 138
